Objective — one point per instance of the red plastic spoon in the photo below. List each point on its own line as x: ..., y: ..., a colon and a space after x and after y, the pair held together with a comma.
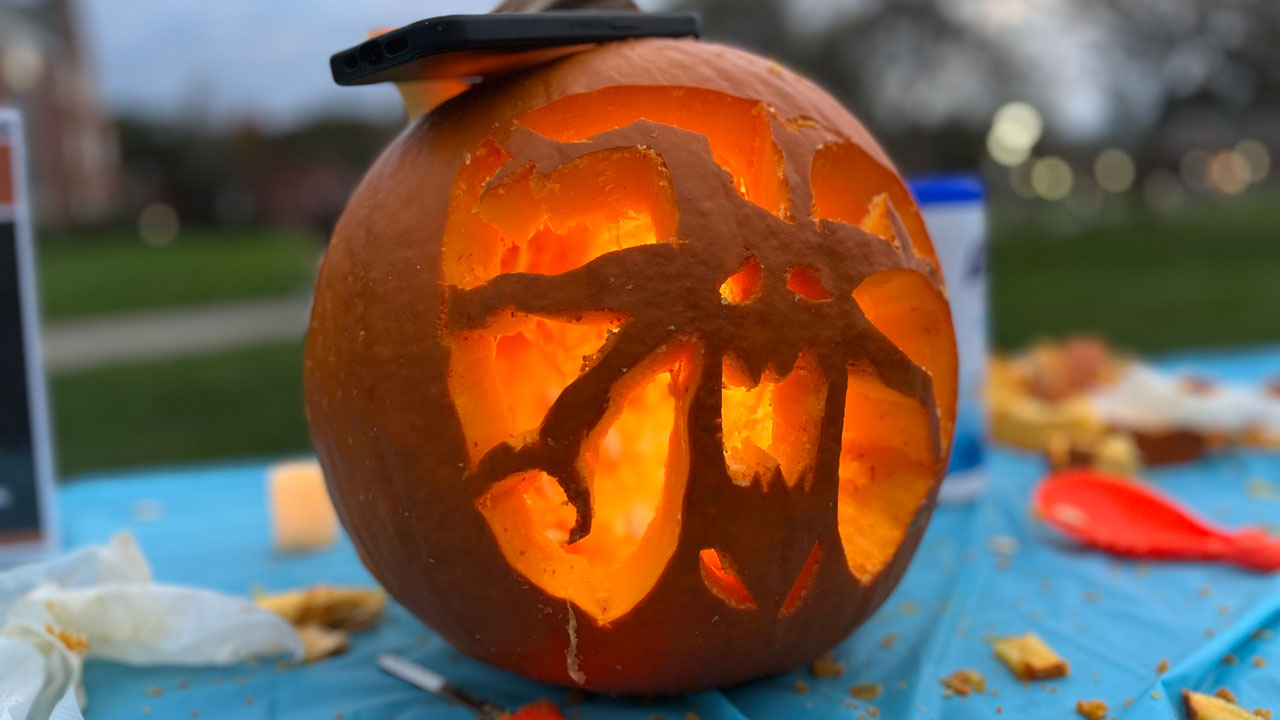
x: 1121, y: 516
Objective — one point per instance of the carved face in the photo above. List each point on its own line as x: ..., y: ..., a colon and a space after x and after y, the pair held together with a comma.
x: 685, y: 375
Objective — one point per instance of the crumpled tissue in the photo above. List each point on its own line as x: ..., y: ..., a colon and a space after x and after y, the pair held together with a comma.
x: 101, y: 602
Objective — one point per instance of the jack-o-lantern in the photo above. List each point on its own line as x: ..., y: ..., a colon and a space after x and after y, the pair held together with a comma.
x: 634, y: 371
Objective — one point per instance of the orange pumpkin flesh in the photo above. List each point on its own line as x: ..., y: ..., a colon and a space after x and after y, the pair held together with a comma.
x: 634, y: 371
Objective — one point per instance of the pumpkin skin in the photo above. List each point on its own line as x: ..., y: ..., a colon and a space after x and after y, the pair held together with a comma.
x: 749, y: 348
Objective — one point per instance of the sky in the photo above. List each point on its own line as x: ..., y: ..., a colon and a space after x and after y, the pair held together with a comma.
x: 266, y: 61
x: 227, y: 61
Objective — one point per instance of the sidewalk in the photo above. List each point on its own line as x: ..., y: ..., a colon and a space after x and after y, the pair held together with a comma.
x: 76, y: 345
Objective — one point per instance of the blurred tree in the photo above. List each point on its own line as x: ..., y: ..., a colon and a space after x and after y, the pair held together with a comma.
x: 927, y: 75
x: 242, y: 175
x: 924, y: 80
x: 1209, y: 70
x: 1157, y: 76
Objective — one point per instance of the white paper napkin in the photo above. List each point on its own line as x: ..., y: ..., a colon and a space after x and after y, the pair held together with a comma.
x: 105, y: 597
x: 1147, y: 398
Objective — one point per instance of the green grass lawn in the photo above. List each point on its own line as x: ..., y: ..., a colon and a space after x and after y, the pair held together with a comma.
x: 1202, y: 277
x: 117, y: 272
x: 1206, y: 276
x: 243, y: 403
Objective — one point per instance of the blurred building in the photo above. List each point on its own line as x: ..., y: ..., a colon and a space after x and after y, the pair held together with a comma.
x: 74, y: 155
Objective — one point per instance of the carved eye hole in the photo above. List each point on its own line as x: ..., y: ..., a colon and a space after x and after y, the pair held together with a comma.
x: 806, y: 281
x: 743, y: 286
x: 721, y: 577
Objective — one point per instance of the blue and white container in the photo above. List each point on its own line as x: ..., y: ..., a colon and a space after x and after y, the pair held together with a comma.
x: 953, y: 211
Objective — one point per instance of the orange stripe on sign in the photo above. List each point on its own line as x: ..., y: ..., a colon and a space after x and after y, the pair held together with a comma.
x: 6, y: 175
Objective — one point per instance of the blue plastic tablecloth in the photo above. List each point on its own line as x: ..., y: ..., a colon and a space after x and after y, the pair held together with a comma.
x: 1115, y: 620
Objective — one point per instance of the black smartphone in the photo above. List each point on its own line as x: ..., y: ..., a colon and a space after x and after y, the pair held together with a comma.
x: 454, y: 46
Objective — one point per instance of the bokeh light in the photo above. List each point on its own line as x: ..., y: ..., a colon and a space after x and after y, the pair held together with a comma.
x: 1257, y: 156
x: 1051, y: 178
x: 1113, y: 170
x: 1162, y: 190
x: 1228, y: 172
x: 158, y: 224
x: 21, y: 66
x: 1015, y: 129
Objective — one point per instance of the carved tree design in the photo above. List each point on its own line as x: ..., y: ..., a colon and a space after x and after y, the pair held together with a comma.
x: 666, y: 257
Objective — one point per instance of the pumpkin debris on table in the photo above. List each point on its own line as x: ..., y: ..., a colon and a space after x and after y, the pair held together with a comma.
x: 1114, y: 452
x: 1084, y: 405
x: 867, y: 691
x: 1030, y: 658
x: 1200, y: 706
x: 320, y: 642
x: 73, y: 641
x: 964, y: 682
x: 341, y: 608
x: 1091, y: 709
x: 634, y: 371
x: 825, y: 666
x: 1227, y: 695
x: 538, y: 710
x: 1002, y: 544
x: 1036, y: 399
x: 325, y: 616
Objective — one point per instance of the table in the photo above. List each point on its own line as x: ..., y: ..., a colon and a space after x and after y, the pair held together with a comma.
x: 1115, y: 620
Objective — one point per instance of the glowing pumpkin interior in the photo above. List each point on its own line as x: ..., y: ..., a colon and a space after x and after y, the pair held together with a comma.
x: 505, y: 376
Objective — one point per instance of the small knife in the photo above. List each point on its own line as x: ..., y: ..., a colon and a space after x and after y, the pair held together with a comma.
x: 434, y: 683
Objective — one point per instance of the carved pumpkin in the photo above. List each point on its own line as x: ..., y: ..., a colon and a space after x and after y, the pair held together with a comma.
x: 634, y: 371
